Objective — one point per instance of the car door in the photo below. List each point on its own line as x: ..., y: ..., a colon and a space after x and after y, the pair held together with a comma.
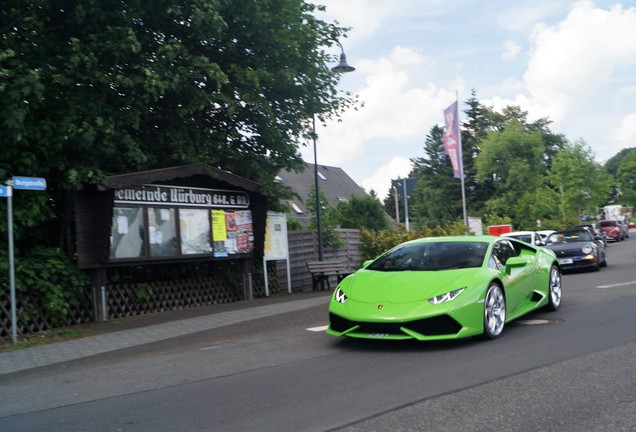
x: 518, y: 281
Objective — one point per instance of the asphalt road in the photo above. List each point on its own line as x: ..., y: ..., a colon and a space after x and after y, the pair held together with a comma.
x: 572, y: 370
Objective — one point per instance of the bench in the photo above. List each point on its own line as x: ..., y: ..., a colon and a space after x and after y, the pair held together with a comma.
x: 321, y: 271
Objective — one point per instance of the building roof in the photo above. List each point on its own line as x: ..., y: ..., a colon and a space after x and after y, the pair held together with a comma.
x: 172, y: 173
x: 334, y: 183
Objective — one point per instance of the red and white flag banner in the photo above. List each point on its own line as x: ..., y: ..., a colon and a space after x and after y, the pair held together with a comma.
x: 452, y: 139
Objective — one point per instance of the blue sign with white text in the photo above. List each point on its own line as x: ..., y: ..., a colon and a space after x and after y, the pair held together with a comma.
x: 29, y: 183
x: 5, y: 192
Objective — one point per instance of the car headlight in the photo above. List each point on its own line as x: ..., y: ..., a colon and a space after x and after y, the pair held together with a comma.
x: 586, y: 249
x: 446, y: 297
x: 340, y: 296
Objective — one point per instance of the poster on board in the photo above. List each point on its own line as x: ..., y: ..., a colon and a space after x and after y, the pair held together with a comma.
x: 232, y: 232
x: 276, y: 245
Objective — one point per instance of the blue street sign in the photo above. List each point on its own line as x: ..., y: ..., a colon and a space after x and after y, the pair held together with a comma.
x: 5, y: 191
x: 399, y: 186
x: 29, y: 183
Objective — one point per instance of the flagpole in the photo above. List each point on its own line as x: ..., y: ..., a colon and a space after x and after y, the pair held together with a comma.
x: 461, y: 161
x: 453, y: 147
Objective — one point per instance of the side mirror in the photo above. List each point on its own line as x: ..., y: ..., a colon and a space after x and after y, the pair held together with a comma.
x: 366, y: 263
x: 518, y: 261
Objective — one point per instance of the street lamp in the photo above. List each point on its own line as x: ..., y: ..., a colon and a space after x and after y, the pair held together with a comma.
x: 342, y: 67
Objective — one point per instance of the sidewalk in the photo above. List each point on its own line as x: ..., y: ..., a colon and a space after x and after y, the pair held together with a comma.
x: 128, y: 332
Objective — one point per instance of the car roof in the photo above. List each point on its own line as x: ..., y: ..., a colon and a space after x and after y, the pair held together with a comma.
x: 450, y: 239
x: 570, y: 230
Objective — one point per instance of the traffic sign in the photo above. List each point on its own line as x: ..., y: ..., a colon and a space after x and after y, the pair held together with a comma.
x: 29, y: 183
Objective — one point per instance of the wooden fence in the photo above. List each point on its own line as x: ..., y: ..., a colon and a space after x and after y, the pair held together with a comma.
x: 303, y: 247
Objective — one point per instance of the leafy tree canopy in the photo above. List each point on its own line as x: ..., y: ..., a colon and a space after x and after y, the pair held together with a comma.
x: 94, y: 88
x: 583, y: 185
x: 360, y: 212
x: 626, y: 179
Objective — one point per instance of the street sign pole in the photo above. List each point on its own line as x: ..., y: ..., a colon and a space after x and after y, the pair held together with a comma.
x: 25, y: 183
x: 14, y: 327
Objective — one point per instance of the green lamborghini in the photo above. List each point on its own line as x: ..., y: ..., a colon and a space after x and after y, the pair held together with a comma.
x: 445, y: 288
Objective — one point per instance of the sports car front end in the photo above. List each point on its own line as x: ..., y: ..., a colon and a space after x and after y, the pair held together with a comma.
x: 425, y: 305
x: 445, y: 288
x: 575, y: 249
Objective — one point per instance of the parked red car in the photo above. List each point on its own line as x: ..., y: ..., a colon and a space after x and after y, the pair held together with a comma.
x: 614, y: 230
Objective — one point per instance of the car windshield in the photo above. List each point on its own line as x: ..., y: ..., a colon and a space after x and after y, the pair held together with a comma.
x: 570, y: 237
x: 608, y: 223
x: 592, y: 228
x: 432, y: 256
x: 523, y: 237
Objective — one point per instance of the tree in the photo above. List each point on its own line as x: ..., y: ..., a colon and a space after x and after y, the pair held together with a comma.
x: 627, y: 181
x: 359, y: 212
x: 479, y: 122
x: 436, y: 198
x: 613, y: 164
x: 90, y: 89
x: 583, y: 185
x: 389, y: 204
x: 94, y: 88
x: 512, y: 160
x: 626, y: 177
x: 620, y: 167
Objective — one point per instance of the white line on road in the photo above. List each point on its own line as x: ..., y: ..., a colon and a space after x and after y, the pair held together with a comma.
x: 318, y: 329
x: 617, y: 285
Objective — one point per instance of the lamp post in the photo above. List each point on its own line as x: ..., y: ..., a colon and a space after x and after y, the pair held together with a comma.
x: 317, y: 191
x: 342, y: 67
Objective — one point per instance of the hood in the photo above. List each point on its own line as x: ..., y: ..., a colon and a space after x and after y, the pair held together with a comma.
x: 565, y: 247
x: 369, y: 286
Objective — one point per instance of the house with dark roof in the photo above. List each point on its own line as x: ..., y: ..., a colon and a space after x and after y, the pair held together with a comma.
x: 334, y: 184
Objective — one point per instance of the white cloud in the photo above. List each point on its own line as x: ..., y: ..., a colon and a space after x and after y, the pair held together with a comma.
x: 347, y: 14
x: 380, y: 181
x: 398, y: 112
x: 394, y: 108
x: 523, y: 19
x: 574, y: 59
x: 624, y: 135
x: 511, y: 50
x: 412, y: 57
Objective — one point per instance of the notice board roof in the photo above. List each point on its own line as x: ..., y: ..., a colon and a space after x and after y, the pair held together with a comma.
x: 172, y: 173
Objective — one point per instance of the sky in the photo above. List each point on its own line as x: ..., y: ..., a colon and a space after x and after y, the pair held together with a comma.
x: 573, y: 62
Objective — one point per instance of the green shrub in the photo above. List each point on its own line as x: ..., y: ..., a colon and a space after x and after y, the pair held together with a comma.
x: 46, y: 274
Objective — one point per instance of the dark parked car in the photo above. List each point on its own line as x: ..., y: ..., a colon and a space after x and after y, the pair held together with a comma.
x: 614, y: 230
x: 576, y: 248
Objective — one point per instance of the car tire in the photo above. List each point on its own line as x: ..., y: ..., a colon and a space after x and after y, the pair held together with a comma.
x: 555, y: 289
x: 494, y: 311
x: 604, y: 263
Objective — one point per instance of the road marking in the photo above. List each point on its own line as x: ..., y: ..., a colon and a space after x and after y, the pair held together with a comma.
x: 318, y: 329
x: 617, y: 285
x: 533, y: 321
